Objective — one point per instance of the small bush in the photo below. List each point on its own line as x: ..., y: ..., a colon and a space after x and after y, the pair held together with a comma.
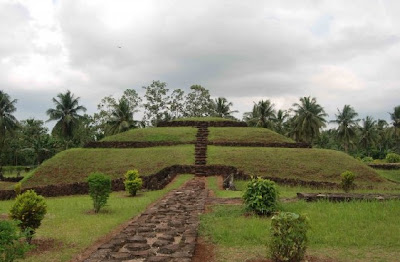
x: 288, y: 237
x: 392, y: 158
x: 132, y: 182
x: 29, y: 208
x: 261, y: 196
x: 11, y: 246
x: 367, y: 159
x: 99, y: 189
x: 348, y: 181
x: 18, y: 188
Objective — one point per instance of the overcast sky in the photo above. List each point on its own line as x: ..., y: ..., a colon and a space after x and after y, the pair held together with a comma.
x: 341, y: 52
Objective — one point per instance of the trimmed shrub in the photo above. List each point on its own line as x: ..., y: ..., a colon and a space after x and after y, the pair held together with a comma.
x: 99, y: 189
x: 392, y: 158
x: 132, y: 182
x: 288, y: 237
x: 11, y: 246
x: 18, y: 188
x: 348, y: 181
x: 261, y: 196
x: 29, y: 208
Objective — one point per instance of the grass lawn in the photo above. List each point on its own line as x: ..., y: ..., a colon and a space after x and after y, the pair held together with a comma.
x: 354, y: 231
x: 209, y: 118
x: 69, y: 223
x: 393, y: 175
x: 76, y: 164
x: 300, y: 163
x: 246, y: 134
x: 170, y: 134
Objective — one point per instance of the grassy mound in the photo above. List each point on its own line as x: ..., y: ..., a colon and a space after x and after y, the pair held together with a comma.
x: 305, y: 164
x: 176, y: 134
x: 75, y: 165
x: 246, y: 134
x: 205, y: 119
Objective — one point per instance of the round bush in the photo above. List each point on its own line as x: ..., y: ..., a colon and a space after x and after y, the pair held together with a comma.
x: 367, y: 159
x: 30, y: 209
x: 11, y: 246
x: 261, y: 196
x: 348, y: 181
x: 132, y: 182
x: 392, y: 158
x: 99, y: 189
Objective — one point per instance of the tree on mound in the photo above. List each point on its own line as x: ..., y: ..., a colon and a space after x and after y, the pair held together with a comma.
x: 222, y: 108
x: 262, y: 115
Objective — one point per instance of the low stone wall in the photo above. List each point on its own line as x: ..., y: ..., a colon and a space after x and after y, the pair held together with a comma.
x: 131, y: 144
x: 202, y: 123
x: 344, y: 197
x: 260, y: 144
x: 11, y: 179
x: 386, y: 166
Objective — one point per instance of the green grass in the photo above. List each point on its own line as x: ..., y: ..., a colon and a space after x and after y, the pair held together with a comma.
x: 353, y: 231
x: 69, y: 222
x: 246, y: 134
x: 75, y: 165
x: 159, y: 134
x: 213, y: 119
x: 212, y: 184
x: 299, y: 163
x: 393, y: 175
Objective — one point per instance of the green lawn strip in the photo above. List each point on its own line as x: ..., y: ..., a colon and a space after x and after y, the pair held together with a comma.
x: 209, y: 118
x: 68, y: 219
x: 246, y: 134
x: 159, y: 134
x: 393, y: 175
x: 212, y: 184
x: 298, y: 163
x: 354, y: 230
x: 76, y: 164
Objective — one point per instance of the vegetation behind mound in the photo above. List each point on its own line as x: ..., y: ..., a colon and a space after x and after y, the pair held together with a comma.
x: 246, y: 134
x: 175, y: 134
x: 204, y: 119
x: 75, y: 165
x: 305, y: 164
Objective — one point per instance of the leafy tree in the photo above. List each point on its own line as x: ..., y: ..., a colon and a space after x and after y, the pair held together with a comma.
x: 262, y: 115
x: 198, y: 102
x: 8, y: 123
x: 368, y: 134
x: 121, y: 117
x: 41, y: 146
x: 222, y: 108
x: 308, y: 119
x: 176, y: 103
x: 347, y: 126
x: 156, y: 102
x: 66, y: 113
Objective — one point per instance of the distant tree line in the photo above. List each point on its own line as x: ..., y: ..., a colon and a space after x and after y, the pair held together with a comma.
x: 29, y: 142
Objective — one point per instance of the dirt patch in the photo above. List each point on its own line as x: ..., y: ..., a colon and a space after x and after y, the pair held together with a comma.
x: 204, y: 251
x: 44, y: 245
x: 307, y: 259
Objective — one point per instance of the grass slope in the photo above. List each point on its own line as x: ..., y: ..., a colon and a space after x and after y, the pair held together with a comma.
x: 208, y: 118
x: 69, y: 222
x: 175, y: 134
x: 75, y: 165
x: 246, y: 134
x: 304, y: 164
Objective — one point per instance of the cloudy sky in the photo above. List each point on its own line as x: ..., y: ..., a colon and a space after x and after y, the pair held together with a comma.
x: 341, y: 52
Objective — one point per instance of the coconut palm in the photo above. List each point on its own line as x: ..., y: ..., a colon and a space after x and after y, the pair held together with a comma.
x: 8, y: 122
x: 279, y: 121
x: 368, y: 134
x: 308, y: 119
x: 121, y: 117
x: 222, y: 108
x: 395, y: 116
x: 66, y: 114
x: 346, y: 130
x: 262, y: 115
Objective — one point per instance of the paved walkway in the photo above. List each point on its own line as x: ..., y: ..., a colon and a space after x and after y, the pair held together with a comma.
x: 165, y: 232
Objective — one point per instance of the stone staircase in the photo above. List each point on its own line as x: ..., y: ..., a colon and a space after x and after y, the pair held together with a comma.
x: 201, y: 149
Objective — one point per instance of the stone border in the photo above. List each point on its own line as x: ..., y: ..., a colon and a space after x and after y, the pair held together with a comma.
x: 132, y: 144
x: 261, y: 144
x: 11, y: 179
x: 344, y: 197
x: 161, y: 179
x: 204, y: 123
x: 386, y: 166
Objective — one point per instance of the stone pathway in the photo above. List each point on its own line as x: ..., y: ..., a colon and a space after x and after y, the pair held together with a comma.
x: 165, y: 232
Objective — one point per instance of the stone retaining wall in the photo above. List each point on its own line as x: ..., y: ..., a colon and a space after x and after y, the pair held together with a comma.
x: 131, y: 144
x: 260, y: 144
x: 386, y: 166
x: 11, y: 179
x: 207, y: 123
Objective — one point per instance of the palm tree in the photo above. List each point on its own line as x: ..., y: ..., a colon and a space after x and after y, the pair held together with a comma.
x: 308, y: 119
x: 346, y: 130
x: 395, y: 116
x: 121, y: 117
x: 279, y: 121
x: 262, y: 115
x: 66, y: 114
x: 222, y: 108
x: 369, y: 135
x: 8, y: 123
